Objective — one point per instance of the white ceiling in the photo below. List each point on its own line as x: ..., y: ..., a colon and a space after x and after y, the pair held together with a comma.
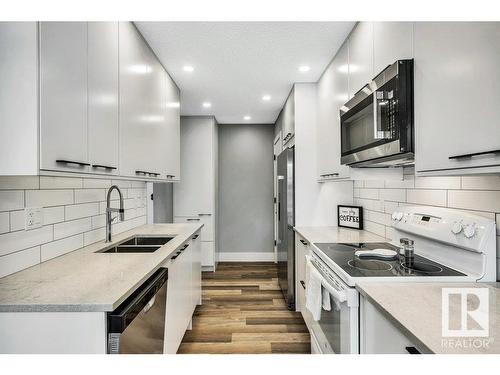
x: 236, y: 63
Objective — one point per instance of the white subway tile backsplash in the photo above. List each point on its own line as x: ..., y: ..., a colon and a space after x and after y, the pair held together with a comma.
x: 18, y: 261
x: 15, y: 241
x: 122, y: 184
x: 408, y: 182
x: 369, y: 193
x: 19, y: 182
x: 481, y: 182
x: 358, y: 183
x: 47, y: 182
x: 17, y: 221
x: 390, y: 207
x: 427, y: 197
x: 356, y: 193
x: 376, y: 184
x: 11, y: 200
x: 47, y: 198
x: 70, y: 228
x: 475, y: 200
x: 64, y: 246
x: 69, y: 223
x: 93, y: 236
x: 394, y: 195
x: 4, y: 222
x: 98, y: 221
x: 377, y: 217
x: 452, y: 182
x: 91, y: 183
x: 90, y: 195
x: 52, y: 215
x: 373, y: 227
x: 129, y: 203
x: 81, y: 210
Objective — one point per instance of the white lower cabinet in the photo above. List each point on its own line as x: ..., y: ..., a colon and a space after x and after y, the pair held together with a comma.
x: 380, y: 336
x: 183, y: 293
x: 207, y: 236
x: 208, y: 254
x: 301, y: 250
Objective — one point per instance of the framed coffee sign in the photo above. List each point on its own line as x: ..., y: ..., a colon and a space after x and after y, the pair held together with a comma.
x: 350, y: 216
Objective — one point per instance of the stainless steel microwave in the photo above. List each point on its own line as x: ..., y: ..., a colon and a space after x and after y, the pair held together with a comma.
x: 376, y: 124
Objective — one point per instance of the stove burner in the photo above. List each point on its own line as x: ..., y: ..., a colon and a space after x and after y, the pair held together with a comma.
x: 423, y: 268
x: 369, y: 265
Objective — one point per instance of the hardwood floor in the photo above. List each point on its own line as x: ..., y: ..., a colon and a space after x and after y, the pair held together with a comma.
x: 244, y: 312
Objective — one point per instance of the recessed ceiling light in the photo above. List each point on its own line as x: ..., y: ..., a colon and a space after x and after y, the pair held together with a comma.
x: 247, y: 118
x: 304, y: 68
x: 188, y: 68
x: 266, y: 98
x: 206, y: 104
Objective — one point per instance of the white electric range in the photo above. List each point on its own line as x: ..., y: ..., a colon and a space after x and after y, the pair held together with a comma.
x: 450, y: 246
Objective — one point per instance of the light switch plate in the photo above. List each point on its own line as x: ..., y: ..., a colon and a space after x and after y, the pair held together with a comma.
x: 33, y: 217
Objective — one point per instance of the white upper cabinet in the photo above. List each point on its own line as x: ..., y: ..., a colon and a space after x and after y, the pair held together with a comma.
x: 457, y: 97
x: 333, y: 91
x: 172, y: 141
x: 63, y: 96
x: 103, y: 97
x: 18, y: 98
x: 194, y: 195
x: 360, y: 57
x: 391, y: 41
x: 288, y: 118
x: 143, y: 128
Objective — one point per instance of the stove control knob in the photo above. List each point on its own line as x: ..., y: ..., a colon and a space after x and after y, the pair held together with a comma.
x: 457, y: 227
x: 470, y: 230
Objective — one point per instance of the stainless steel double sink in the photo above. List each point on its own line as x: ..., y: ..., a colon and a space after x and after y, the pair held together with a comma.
x: 137, y: 244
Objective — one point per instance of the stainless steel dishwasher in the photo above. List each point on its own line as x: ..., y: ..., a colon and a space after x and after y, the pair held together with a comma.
x: 137, y: 326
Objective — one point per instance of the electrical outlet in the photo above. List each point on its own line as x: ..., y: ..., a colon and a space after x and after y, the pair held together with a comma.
x: 33, y: 217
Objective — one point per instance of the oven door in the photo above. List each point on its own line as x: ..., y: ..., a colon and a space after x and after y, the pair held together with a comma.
x: 337, y: 331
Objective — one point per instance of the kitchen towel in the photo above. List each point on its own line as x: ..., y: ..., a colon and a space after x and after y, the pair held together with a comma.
x: 314, y: 295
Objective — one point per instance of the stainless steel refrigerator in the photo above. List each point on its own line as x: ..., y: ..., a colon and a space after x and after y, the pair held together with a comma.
x: 286, y: 222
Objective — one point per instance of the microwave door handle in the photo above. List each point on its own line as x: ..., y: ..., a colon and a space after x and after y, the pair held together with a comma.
x: 375, y: 116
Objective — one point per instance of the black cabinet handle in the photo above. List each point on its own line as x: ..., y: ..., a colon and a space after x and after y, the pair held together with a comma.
x: 204, y: 214
x: 195, y: 237
x: 328, y: 175
x: 412, y: 350
x: 103, y: 166
x: 192, y: 219
x: 304, y: 242
x: 153, y: 174
x: 466, y: 156
x: 303, y: 284
x: 81, y: 164
x: 170, y: 176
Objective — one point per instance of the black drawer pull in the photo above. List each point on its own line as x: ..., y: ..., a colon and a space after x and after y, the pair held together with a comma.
x: 81, y: 164
x: 195, y: 237
x: 154, y: 174
x: 304, y: 242
x: 185, y: 246
x: 329, y: 175
x: 303, y: 284
x: 412, y: 350
x: 192, y: 219
x: 204, y: 214
x: 103, y: 166
x: 466, y: 156
x: 170, y: 176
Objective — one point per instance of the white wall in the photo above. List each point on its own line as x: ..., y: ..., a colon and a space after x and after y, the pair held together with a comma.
x: 74, y: 216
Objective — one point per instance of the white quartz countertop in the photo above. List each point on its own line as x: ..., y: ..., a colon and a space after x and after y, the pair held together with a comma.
x: 337, y: 235
x: 87, y: 281
x: 415, y: 309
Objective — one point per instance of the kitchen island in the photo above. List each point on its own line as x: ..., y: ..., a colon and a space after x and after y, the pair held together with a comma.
x: 60, y: 306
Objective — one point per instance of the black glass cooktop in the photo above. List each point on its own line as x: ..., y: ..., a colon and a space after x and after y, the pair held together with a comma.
x: 343, y: 255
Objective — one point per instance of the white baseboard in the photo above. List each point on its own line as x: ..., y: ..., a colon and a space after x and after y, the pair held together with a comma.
x: 246, y: 257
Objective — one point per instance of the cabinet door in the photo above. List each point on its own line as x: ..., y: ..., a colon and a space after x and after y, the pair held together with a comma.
x: 391, y: 41
x: 196, y: 269
x: 174, y: 328
x: 63, y: 96
x: 207, y: 232
x: 103, y: 97
x: 172, y: 142
x: 456, y: 100
x: 142, y: 119
x: 360, y: 57
x: 301, y: 249
x: 289, y: 118
x: 194, y: 194
x: 333, y: 92
x: 207, y: 254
